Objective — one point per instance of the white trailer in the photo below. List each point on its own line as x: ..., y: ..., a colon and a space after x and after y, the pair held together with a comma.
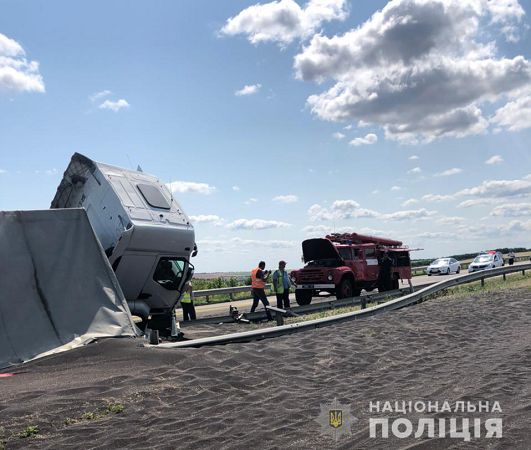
x: 145, y: 233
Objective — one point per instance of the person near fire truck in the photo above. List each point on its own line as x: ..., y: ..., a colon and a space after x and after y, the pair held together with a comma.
x: 281, y: 285
x: 384, y: 275
x: 258, y: 284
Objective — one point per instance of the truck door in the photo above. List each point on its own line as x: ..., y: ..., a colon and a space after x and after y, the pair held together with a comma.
x: 163, y: 286
x: 372, y: 264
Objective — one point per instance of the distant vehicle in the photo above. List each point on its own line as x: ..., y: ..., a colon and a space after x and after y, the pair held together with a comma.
x: 344, y: 264
x: 487, y: 260
x: 146, y: 235
x: 443, y: 266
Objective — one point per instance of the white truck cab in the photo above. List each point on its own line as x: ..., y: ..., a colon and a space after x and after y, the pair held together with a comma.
x: 145, y: 233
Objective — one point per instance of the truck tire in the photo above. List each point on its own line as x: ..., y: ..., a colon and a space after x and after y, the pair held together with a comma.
x: 303, y: 296
x: 345, y: 289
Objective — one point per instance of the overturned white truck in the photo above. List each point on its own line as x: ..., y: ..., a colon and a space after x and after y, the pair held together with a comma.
x: 146, y: 235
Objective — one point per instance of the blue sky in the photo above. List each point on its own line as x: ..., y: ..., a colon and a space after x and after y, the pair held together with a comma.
x: 283, y: 120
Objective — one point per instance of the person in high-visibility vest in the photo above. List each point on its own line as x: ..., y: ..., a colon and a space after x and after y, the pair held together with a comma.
x: 258, y: 284
x: 281, y: 285
x: 187, y: 303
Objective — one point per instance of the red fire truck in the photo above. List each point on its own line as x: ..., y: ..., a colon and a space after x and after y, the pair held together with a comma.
x: 344, y: 264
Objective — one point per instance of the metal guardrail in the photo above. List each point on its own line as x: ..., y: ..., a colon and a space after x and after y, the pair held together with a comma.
x: 221, y: 291
x: 401, y: 302
x: 306, y: 309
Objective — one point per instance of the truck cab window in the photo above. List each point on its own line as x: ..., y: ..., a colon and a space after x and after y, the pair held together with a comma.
x: 370, y: 253
x: 169, y: 273
x: 345, y: 253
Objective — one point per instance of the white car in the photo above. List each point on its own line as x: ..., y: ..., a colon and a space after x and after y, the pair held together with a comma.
x: 443, y: 266
x: 486, y: 261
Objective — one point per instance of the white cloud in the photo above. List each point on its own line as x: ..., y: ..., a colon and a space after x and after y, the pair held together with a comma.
x: 17, y: 74
x: 475, y: 202
x: 411, y: 214
x: 236, y: 244
x: 99, y: 95
x: 413, y: 158
x: 449, y: 172
x: 450, y: 220
x: 250, y: 201
x: 496, y: 159
x: 248, y: 90
x: 114, y: 105
x: 290, y: 198
x: 410, y: 202
x: 185, y: 187
x: 420, y: 69
x: 236, y: 188
x: 515, y: 115
x: 512, y: 210
x: 340, y: 210
x: 283, y: 21
x: 436, y: 198
x: 337, y: 135
x: 256, y: 224
x: 499, y: 189
x: 369, y: 139
x: 207, y: 218
x: 2, y: 171
x: 396, y: 188
x: 376, y: 191
x: 443, y: 235
x: 415, y: 170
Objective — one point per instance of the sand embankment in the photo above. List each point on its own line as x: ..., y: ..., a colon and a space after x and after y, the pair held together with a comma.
x: 268, y: 394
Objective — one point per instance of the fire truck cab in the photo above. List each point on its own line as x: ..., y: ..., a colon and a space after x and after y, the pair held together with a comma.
x: 344, y: 264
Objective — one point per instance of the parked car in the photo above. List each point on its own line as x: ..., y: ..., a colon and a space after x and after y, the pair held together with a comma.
x: 443, y: 266
x: 488, y: 260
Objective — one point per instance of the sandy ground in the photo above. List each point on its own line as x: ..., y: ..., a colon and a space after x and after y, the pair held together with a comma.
x: 268, y: 394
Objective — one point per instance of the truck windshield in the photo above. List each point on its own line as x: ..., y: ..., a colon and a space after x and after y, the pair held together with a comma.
x: 324, y: 263
x: 169, y: 273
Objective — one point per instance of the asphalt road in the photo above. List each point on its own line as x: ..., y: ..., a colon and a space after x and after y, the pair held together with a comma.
x: 219, y: 309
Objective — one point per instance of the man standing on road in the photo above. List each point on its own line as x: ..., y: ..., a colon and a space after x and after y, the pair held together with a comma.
x: 384, y: 275
x: 258, y: 283
x: 187, y: 303
x: 281, y: 285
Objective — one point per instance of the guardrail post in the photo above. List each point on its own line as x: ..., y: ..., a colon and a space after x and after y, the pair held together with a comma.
x: 523, y: 271
x: 504, y: 277
x: 231, y: 296
x: 482, y: 282
x: 207, y: 298
x: 280, y: 318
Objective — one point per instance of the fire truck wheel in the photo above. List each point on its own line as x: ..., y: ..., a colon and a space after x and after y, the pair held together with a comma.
x: 303, y: 296
x: 356, y: 292
x: 345, y: 289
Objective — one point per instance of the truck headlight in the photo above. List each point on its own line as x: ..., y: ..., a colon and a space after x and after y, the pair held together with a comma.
x: 330, y: 277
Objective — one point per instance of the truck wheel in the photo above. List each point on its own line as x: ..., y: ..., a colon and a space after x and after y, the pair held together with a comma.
x: 345, y: 289
x: 356, y: 292
x: 303, y: 296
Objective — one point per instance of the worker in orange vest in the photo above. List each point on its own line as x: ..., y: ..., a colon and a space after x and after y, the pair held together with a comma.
x: 258, y: 284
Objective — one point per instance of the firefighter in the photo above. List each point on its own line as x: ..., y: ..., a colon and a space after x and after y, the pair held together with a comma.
x: 384, y: 275
x: 258, y: 283
x: 281, y: 285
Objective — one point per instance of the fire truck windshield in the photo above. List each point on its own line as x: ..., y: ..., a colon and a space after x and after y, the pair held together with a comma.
x: 325, y: 263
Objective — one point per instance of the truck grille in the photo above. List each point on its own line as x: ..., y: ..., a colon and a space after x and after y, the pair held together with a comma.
x: 311, y: 276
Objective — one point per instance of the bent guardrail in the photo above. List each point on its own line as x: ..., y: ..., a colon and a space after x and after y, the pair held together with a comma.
x: 401, y: 302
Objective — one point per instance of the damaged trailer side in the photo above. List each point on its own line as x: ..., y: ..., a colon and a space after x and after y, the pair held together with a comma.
x: 57, y: 289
